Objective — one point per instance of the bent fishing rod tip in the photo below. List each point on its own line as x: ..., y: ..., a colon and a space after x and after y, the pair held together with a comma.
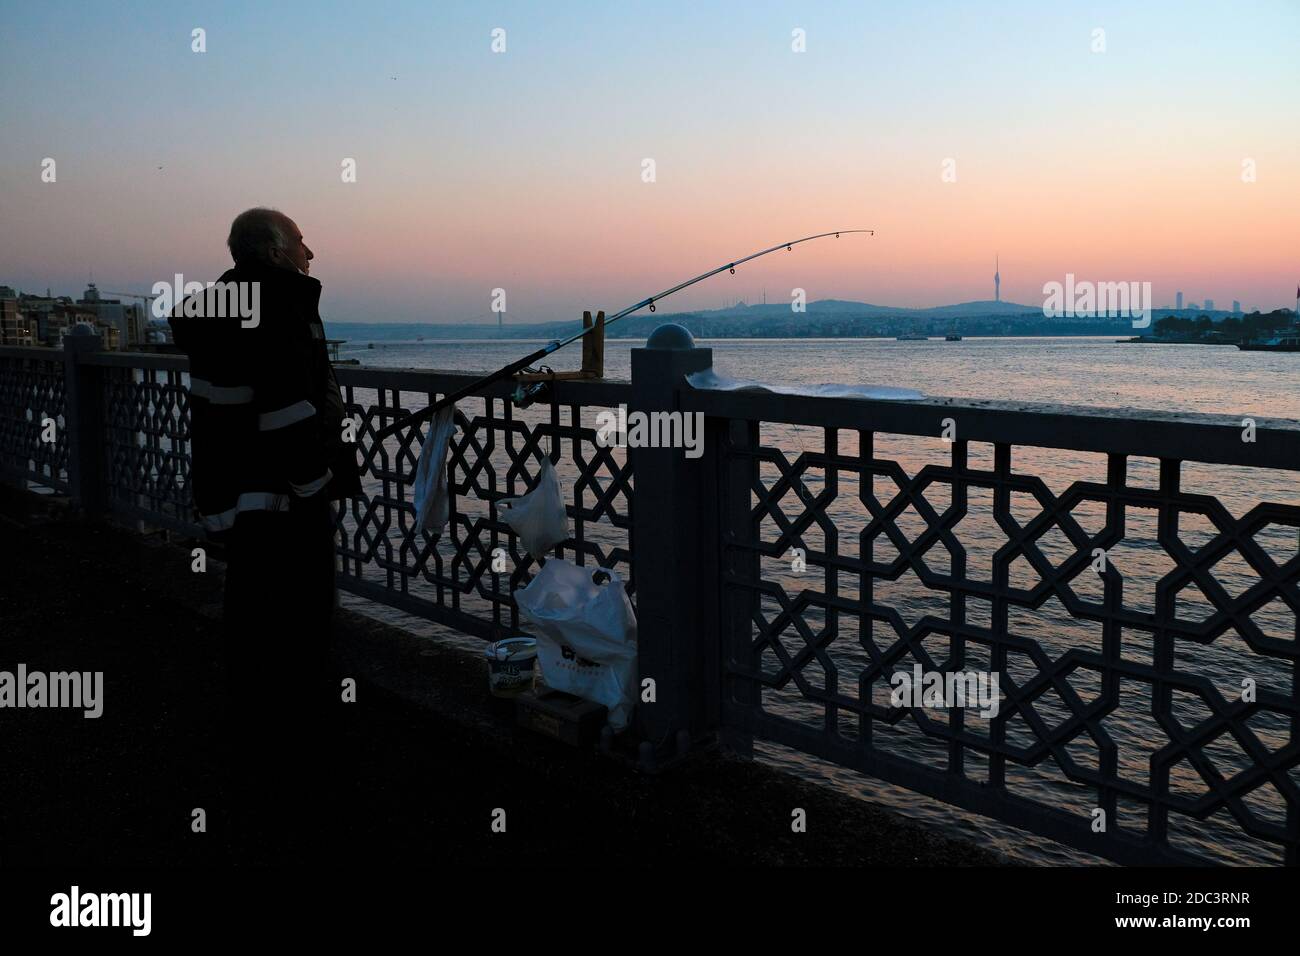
x: 508, y: 370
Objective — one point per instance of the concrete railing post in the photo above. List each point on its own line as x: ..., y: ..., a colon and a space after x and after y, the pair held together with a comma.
x: 737, y: 562
x: 83, y: 393
x: 672, y: 552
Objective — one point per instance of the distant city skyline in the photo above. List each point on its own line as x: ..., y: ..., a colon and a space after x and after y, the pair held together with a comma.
x: 478, y: 170
x: 89, y: 291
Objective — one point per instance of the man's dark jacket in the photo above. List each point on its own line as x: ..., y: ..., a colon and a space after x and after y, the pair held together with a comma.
x: 265, y: 409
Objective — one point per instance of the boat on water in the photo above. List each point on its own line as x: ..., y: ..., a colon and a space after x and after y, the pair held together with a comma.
x: 1287, y: 340
x: 952, y: 337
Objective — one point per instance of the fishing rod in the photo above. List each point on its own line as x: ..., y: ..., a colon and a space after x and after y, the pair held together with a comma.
x: 522, y: 364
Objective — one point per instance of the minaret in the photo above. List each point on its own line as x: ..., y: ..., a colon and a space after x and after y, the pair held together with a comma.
x: 997, y: 280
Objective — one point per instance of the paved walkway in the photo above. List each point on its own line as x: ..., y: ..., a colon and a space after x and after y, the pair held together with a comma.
x: 421, y: 759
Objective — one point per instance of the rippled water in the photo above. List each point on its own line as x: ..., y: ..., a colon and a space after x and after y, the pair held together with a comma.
x: 1096, y: 372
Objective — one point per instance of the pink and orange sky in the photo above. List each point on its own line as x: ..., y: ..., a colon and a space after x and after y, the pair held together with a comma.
x: 523, y: 169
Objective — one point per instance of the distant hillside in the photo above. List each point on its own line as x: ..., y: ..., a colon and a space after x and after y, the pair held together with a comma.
x: 846, y: 308
x: 985, y: 307
x: 720, y: 322
x: 825, y: 318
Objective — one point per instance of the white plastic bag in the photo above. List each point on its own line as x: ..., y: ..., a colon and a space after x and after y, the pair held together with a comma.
x: 586, y: 635
x: 432, y: 504
x: 539, y: 517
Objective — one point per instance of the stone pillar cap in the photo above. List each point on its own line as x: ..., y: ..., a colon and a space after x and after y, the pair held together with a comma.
x: 671, y: 337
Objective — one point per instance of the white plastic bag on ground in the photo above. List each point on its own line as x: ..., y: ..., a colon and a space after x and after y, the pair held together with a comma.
x: 432, y: 503
x: 539, y: 517
x: 586, y: 635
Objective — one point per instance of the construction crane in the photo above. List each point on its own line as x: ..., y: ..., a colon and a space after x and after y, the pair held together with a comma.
x: 134, y: 295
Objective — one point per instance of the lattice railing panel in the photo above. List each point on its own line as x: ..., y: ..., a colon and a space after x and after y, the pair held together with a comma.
x: 148, y: 461
x: 1121, y: 683
x: 32, y: 392
x: 495, y: 453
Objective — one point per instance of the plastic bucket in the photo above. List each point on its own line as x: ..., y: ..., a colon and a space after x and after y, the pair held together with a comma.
x: 512, y: 664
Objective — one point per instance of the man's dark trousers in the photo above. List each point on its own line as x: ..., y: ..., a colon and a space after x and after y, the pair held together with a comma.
x: 278, y: 606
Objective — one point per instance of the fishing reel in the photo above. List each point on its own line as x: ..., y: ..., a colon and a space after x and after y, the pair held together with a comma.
x: 528, y: 393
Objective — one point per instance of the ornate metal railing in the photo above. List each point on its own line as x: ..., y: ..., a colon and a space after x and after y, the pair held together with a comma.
x: 31, y: 395
x: 136, y: 415
x: 1131, y: 580
x: 465, y: 578
x: 145, y: 422
x: 1137, y: 720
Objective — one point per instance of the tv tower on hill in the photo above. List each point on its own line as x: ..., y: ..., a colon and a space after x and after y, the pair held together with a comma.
x: 997, y: 280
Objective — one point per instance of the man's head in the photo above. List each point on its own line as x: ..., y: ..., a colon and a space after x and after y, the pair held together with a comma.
x: 270, y: 237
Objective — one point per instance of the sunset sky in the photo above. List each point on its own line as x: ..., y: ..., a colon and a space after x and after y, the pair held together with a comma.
x: 523, y: 169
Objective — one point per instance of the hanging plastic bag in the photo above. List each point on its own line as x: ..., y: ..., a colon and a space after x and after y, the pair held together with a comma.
x: 539, y: 517
x: 432, y: 498
x: 586, y: 635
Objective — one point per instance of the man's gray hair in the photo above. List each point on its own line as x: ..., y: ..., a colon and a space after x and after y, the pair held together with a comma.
x: 255, y: 232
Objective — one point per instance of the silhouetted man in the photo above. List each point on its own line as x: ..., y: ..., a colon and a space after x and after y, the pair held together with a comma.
x: 268, y: 457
